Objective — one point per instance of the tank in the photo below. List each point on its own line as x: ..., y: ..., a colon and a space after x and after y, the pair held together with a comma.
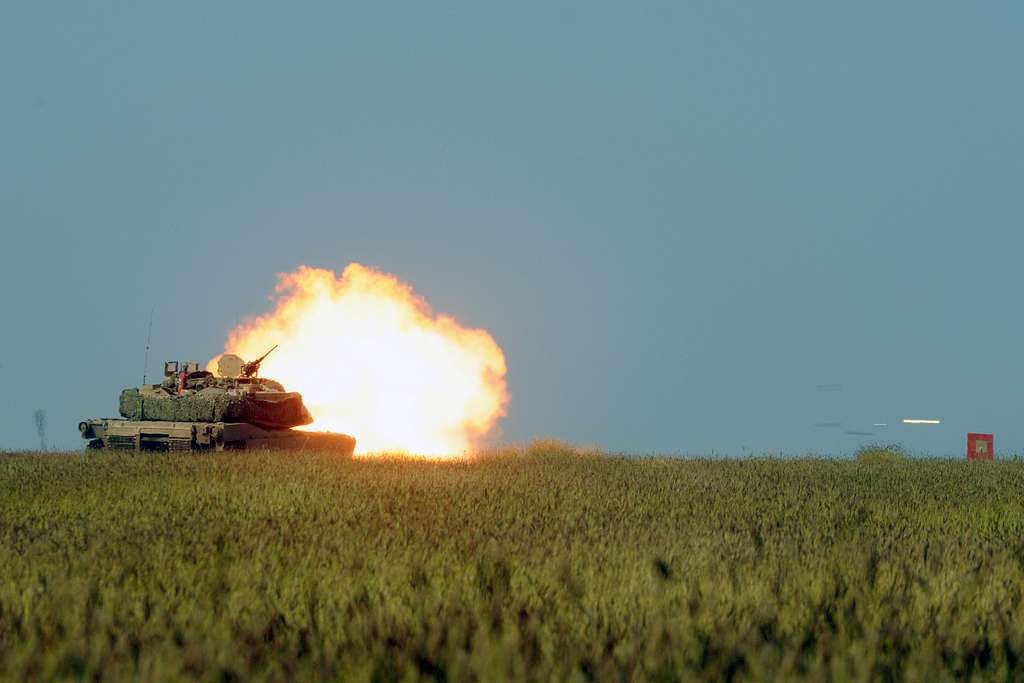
x: 196, y: 410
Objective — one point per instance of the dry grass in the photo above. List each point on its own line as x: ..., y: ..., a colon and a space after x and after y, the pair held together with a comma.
x: 534, y: 563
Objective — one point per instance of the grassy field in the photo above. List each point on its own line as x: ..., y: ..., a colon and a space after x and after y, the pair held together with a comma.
x: 535, y: 565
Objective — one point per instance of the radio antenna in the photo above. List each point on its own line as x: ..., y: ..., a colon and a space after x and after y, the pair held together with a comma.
x: 149, y: 337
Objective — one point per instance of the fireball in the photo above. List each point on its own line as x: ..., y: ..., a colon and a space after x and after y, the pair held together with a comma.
x: 372, y: 360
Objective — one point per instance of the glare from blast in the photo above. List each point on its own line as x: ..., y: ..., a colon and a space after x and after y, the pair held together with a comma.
x: 372, y: 360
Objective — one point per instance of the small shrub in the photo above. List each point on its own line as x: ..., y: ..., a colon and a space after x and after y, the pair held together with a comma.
x: 881, y: 453
x: 556, y: 447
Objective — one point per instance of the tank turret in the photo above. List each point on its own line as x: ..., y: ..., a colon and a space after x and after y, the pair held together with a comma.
x: 193, y: 409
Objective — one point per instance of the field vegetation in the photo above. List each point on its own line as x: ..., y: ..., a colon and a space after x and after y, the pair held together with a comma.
x: 527, y: 564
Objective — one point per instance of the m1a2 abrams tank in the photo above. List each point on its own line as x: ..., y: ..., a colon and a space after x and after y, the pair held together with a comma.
x: 195, y: 410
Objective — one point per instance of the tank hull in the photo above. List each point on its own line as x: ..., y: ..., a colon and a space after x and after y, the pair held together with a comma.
x: 156, y: 435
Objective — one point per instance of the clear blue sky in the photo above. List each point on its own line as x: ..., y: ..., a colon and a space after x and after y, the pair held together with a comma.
x: 677, y: 219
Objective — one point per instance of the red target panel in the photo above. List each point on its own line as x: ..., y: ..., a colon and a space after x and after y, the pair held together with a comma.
x: 980, y: 446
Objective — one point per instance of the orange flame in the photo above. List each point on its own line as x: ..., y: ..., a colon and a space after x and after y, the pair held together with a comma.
x: 372, y: 360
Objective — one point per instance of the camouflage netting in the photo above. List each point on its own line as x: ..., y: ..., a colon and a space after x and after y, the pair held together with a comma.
x: 217, y: 405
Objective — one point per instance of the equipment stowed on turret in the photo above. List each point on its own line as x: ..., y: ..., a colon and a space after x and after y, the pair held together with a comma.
x: 193, y: 409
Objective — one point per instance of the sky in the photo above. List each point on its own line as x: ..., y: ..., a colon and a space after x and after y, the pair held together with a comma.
x: 678, y: 219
